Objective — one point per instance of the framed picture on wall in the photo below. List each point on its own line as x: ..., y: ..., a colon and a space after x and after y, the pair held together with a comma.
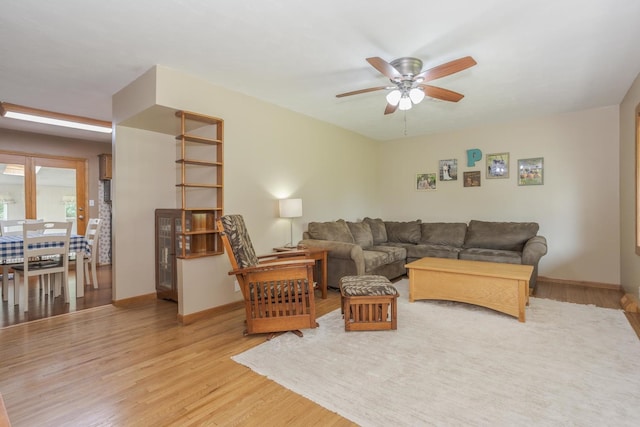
x: 471, y: 179
x: 448, y: 170
x: 498, y: 165
x: 425, y: 182
x: 531, y: 171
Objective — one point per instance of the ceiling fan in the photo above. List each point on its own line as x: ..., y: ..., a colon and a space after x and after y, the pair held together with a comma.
x: 408, y: 81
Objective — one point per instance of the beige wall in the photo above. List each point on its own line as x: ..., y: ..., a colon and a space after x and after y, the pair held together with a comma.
x: 33, y: 143
x: 577, y: 207
x: 629, y: 260
x: 269, y: 153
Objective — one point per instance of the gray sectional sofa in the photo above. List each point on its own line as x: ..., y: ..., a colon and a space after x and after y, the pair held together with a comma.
x: 374, y: 246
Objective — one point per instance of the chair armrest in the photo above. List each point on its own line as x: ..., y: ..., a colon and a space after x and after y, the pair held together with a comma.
x: 275, y: 256
x: 276, y: 265
x: 533, y: 250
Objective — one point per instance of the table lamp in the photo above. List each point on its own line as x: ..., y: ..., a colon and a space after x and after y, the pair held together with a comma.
x: 290, y: 208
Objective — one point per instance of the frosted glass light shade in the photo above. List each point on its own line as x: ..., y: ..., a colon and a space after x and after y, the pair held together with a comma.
x: 405, y: 103
x: 393, y: 97
x: 416, y: 95
x: 13, y: 111
x: 290, y: 208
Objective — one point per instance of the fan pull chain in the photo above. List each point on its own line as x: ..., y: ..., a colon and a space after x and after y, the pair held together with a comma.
x: 405, y: 123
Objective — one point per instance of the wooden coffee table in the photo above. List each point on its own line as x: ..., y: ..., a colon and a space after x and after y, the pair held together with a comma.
x: 498, y: 286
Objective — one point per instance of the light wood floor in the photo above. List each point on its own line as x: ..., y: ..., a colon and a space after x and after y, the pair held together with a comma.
x: 139, y: 367
x: 42, y: 306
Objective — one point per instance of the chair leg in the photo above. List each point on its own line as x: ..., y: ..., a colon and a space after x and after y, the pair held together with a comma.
x: 16, y: 289
x: 86, y: 271
x: 24, y: 292
x: 5, y: 283
x: 94, y: 275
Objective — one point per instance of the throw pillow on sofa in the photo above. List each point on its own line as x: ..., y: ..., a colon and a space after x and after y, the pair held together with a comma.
x: 361, y: 233
x: 334, y: 230
x: 378, y: 230
x: 508, y: 236
x: 403, y: 232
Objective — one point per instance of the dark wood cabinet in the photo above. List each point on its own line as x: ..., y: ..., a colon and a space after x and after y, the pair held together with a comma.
x: 104, y: 167
x: 168, y: 228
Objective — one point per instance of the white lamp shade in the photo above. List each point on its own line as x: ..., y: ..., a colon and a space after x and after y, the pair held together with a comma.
x: 416, y: 95
x: 290, y: 208
x: 393, y: 97
x: 405, y: 103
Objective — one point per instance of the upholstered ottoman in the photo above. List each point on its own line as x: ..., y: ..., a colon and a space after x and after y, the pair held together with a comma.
x: 369, y: 303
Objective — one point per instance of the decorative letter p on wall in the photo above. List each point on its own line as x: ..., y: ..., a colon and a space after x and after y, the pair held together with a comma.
x: 474, y: 155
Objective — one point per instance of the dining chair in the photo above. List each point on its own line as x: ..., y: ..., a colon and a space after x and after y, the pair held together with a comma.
x: 11, y: 227
x: 90, y: 259
x: 47, y: 243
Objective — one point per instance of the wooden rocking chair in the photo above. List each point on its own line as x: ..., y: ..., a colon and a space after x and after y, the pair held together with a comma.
x: 277, y: 288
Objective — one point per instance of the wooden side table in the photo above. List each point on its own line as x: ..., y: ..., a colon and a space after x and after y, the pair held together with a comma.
x: 319, y: 255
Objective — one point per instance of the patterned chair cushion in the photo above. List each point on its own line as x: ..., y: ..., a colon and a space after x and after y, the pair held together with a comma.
x: 279, y: 289
x: 367, y: 285
x: 240, y: 241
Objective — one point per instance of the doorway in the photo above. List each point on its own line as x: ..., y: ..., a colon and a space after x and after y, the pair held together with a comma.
x: 50, y: 188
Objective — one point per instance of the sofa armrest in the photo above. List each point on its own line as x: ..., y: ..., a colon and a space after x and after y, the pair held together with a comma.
x: 533, y: 250
x: 340, y: 250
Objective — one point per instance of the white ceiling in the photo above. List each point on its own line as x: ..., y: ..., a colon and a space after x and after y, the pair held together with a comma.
x: 534, y: 57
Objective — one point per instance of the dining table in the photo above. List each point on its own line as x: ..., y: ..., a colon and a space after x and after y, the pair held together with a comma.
x: 12, y: 252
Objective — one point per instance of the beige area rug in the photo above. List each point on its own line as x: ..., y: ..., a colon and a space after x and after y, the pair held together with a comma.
x: 453, y: 364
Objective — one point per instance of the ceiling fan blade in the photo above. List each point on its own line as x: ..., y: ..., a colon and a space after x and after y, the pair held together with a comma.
x: 446, y: 69
x: 390, y: 109
x: 440, y: 93
x: 384, y: 67
x: 356, y: 92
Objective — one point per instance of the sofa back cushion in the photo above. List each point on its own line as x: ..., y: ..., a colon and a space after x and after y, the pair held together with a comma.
x: 378, y: 230
x: 337, y: 231
x: 443, y: 233
x: 403, y: 232
x: 361, y: 233
x: 509, y: 236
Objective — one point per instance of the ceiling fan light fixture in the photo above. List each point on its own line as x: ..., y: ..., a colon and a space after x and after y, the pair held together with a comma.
x: 404, y: 104
x: 416, y: 95
x: 393, y: 97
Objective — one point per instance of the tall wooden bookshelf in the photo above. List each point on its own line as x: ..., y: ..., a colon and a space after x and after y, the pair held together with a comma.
x: 200, y: 184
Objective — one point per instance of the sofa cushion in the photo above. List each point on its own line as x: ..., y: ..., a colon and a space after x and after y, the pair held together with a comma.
x: 378, y: 230
x: 509, y: 236
x: 337, y: 231
x: 361, y: 233
x: 491, y: 255
x: 403, y: 232
x: 436, y: 251
x: 443, y: 233
x: 395, y: 253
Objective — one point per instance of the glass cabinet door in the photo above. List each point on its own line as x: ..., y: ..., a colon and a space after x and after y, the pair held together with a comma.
x: 167, y: 229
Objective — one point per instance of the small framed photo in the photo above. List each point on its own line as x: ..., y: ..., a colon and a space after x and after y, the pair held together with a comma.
x: 448, y: 170
x: 531, y: 171
x: 425, y: 181
x: 471, y: 179
x: 498, y: 165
